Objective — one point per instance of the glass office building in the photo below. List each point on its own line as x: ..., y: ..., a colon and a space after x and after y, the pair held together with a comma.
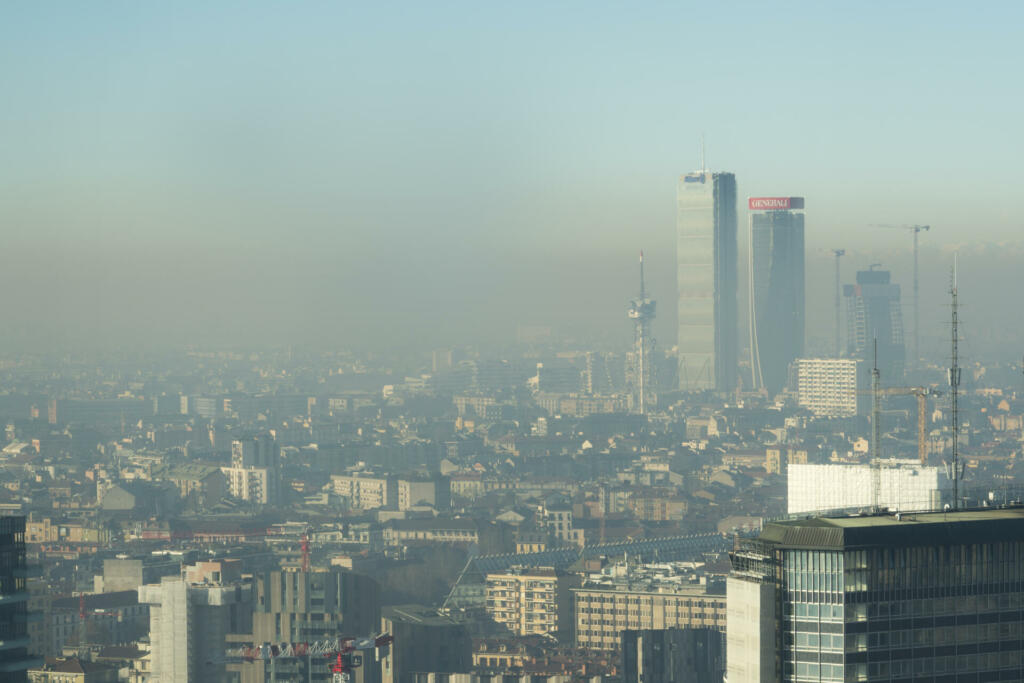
x: 776, y: 300
x: 930, y: 597
x: 706, y: 281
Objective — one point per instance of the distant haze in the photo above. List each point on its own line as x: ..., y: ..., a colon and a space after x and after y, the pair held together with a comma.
x: 425, y: 174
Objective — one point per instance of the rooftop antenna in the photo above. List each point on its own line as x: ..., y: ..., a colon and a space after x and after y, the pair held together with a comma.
x: 838, y: 253
x: 954, y: 385
x: 643, y: 295
x: 703, y: 166
x: 876, y: 409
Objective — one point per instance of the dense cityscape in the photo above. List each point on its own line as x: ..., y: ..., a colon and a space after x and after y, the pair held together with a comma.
x: 554, y: 514
x: 511, y: 343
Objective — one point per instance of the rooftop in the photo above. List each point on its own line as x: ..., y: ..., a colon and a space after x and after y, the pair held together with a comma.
x: 906, y: 529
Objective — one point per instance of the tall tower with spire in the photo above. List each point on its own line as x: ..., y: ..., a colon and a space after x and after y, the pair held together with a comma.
x: 641, y: 312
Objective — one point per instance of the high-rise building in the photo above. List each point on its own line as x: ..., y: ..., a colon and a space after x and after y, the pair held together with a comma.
x: 896, y: 485
x: 14, y: 596
x: 873, y: 314
x: 189, y: 621
x: 829, y: 387
x: 776, y: 279
x: 906, y: 597
x: 706, y: 281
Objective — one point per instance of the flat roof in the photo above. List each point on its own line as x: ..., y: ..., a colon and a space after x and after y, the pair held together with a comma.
x: 986, y: 525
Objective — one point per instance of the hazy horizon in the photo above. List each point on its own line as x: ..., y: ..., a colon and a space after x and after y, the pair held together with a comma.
x: 398, y: 175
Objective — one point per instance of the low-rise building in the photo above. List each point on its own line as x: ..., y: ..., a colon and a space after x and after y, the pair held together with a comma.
x: 653, y: 596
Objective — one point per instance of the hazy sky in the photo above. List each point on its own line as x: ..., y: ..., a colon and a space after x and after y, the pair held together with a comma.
x: 278, y: 171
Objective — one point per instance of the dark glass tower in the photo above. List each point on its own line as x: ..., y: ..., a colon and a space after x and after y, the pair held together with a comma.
x: 776, y: 262
x: 873, y: 313
x: 927, y: 597
x: 14, y: 640
x: 706, y: 281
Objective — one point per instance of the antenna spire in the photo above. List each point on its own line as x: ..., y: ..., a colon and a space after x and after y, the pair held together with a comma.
x: 642, y: 290
x: 703, y: 165
x: 954, y: 386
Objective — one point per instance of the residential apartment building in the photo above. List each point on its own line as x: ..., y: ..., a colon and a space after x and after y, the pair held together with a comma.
x: 189, y: 623
x: 532, y: 601
x: 828, y: 386
x: 253, y: 484
x: 365, y: 490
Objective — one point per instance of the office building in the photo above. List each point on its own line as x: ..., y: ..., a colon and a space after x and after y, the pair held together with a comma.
x: 914, y: 597
x: 189, y: 620
x: 892, y: 484
x: 829, y: 387
x: 679, y: 655
x: 14, y: 596
x: 776, y: 280
x: 706, y: 281
x: 655, y: 596
x: 873, y: 314
x: 532, y: 601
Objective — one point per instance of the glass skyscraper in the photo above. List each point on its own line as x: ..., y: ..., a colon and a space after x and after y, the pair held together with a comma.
x: 776, y: 277
x: 706, y: 281
x: 934, y: 597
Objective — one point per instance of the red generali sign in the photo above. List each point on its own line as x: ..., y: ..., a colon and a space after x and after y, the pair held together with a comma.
x: 775, y: 203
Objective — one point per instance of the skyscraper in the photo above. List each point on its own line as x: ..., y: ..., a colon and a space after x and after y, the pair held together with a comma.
x: 776, y: 278
x: 873, y: 313
x: 907, y: 597
x: 706, y: 281
x: 14, y: 638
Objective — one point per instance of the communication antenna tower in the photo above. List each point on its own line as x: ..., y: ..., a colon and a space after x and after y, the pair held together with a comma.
x: 954, y: 385
x: 838, y: 253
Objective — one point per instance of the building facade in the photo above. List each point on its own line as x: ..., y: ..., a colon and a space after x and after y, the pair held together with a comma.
x: 14, y: 596
x: 706, y: 281
x: 188, y: 627
x: 532, y: 601
x: 640, y: 598
x: 828, y: 387
x: 915, y: 597
x: 873, y: 313
x: 776, y: 280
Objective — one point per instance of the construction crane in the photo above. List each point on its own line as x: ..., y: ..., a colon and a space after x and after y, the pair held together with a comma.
x: 838, y: 253
x: 916, y: 229
x: 922, y: 394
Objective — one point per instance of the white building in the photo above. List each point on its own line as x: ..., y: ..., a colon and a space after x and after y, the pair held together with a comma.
x: 188, y: 625
x: 827, y: 386
x: 898, y: 485
x: 253, y: 484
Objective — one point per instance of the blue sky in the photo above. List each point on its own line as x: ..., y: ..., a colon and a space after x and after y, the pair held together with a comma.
x: 401, y: 137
